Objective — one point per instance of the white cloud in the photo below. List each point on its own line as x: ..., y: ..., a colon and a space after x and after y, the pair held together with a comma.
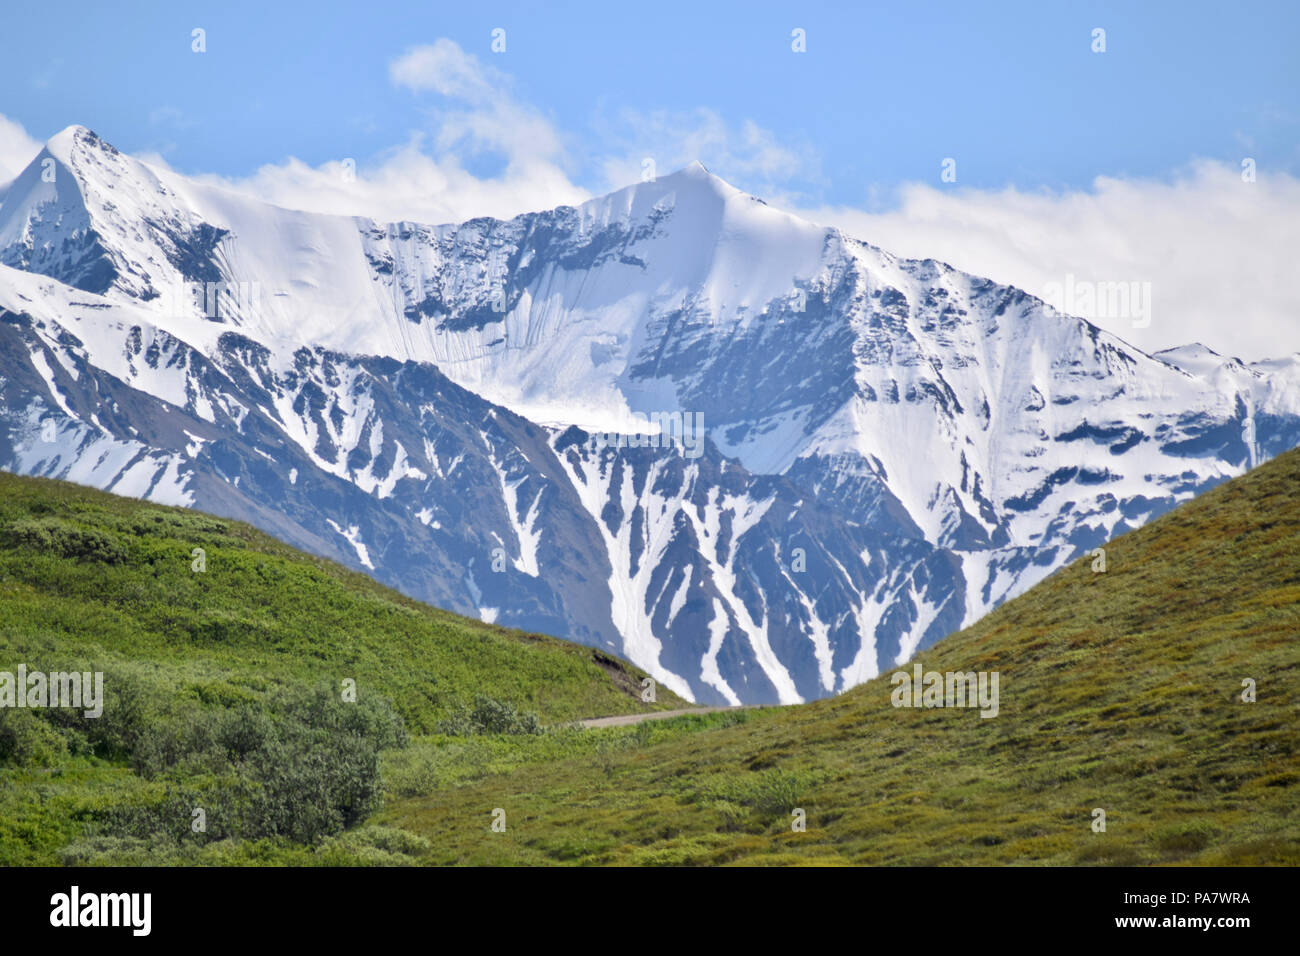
x: 444, y: 67
x: 491, y: 118
x: 748, y: 155
x: 473, y: 110
x: 426, y: 179
x: 406, y: 184
x: 17, y: 149
x: 1219, y: 253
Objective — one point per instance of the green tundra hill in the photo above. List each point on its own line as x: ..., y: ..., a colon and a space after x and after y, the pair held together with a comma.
x: 212, y: 676
x: 1163, y: 691
x: 1119, y: 690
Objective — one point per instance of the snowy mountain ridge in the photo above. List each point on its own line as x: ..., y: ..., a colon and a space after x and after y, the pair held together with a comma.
x: 893, y: 446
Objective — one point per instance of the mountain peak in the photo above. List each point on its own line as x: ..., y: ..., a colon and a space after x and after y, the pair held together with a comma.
x: 698, y: 175
x: 1189, y: 349
x: 334, y: 378
x: 68, y: 140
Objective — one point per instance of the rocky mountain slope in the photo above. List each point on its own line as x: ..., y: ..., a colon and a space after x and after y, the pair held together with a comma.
x: 888, y: 448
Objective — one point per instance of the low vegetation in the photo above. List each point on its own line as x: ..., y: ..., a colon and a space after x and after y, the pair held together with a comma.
x: 1126, y: 692
x: 246, y: 680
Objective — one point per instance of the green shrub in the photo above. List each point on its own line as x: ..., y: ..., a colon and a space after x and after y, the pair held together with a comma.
x: 112, y: 851
x: 489, y: 716
x: 770, y: 793
x: 27, y: 740
x: 52, y: 536
x: 389, y: 840
x: 733, y: 816
x: 413, y: 771
x: 302, y: 771
x: 1185, y: 837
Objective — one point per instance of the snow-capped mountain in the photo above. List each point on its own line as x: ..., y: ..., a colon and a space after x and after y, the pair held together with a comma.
x: 893, y: 446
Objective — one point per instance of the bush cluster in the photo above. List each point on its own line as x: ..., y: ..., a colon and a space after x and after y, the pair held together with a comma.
x: 56, y: 537
x: 300, y: 768
x: 488, y: 715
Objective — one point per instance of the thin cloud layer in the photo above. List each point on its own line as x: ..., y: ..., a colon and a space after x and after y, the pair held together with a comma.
x: 17, y: 149
x: 1218, y: 251
x: 474, y: 112
x: 408, y: 184
x: 481, y: 113
x: 748, y: 155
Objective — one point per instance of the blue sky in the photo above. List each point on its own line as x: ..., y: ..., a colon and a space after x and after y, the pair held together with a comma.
x: 1116, y: 166
x: 882, y: 95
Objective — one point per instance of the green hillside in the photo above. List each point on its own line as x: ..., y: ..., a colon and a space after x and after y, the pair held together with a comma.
x: 1119, y: 690
x: 210, y: 675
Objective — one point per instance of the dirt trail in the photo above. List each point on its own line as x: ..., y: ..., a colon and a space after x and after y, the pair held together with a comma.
x: 627, y: 720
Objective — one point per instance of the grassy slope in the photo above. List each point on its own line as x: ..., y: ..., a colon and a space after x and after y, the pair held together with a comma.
x: 262, y: 618
x: 264, y: 612
x: 1119, y: 690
